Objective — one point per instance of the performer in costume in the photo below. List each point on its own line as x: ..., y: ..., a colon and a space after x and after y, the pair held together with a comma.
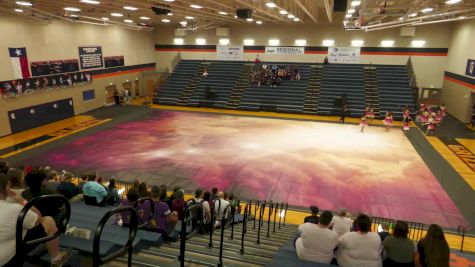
x: 388, y: 120
x: 405, y: 123
x: 442, y: 110
x: 431, y: 123
x: 363, y: 122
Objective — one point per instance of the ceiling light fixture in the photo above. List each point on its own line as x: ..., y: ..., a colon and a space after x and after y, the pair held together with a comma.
x: 105, y: 19
x: 250, y: 19
x: 296, y: 19
x: 144, y: 18
x: 222, y: 13
x: 200, y: 41
x: 117, y: 15
x: 351, y: 11
x: 355, y: 3
x: 189, y: 17
x: 427, y: 10
x: 413, y: 15
x: 178, y: 41
x: 248, y: 41
x: 24, y: 3
x: 18, y: 10
x: 418, y: 43
x: 131, y: 8
x: 196, y: 6
x: 300, y: 42
x: 357, y: 43
x: 451, y: 2
x: 72, y: 9
x: 274, y: 42
x: 290, y: 16
x: 128, y: 21
x: 165, y: 20
x: 283, y: 12
x: 259, y: 22
x: 348, y: 16
x: 223, y: 41
x: 387, y: 43
x: 183, y: 23
x: 328, y: 42
x: 92, y: 2
x: 271, y: 5
x: 170, y: 14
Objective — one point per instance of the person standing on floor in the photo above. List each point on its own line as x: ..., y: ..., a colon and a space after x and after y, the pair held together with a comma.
x: 388, y: 120
x: 343, y: 113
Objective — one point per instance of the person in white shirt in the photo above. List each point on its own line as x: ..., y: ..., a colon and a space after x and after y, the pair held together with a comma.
x: 34, y: 227
x: 340, y: 223
x: 220, y: 206
x: 361, y: 248
x: 316, y: 242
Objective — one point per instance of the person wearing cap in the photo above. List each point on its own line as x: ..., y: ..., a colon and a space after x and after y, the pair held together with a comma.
x: 341, y: 223
x: 314, y: 217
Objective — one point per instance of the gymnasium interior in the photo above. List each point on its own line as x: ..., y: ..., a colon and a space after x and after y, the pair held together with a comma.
x: 362, y: 107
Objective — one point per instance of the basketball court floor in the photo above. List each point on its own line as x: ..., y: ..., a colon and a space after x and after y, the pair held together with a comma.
x: 301, y: 162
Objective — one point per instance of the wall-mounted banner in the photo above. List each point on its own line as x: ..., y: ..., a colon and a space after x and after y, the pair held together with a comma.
x: 229, y: 52
x: 41, y: 68
x: 285, y: 51
x: 112, y: 62
x: 90, y: 57
x: 344, y: 54
x: 470, y: 71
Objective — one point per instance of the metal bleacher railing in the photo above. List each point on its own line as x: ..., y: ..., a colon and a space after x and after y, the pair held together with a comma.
x: 21, y: 253
x: 412, y: 80
x: 189, y: 227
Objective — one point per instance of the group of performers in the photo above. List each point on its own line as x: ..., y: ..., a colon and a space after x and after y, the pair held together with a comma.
x: 427, y: 117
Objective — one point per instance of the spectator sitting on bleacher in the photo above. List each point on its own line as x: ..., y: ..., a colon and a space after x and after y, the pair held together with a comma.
x: 199, y: 198
x: 163, y: 221
x: 66, y: 187
x: 35, y: 226
x: 52, y: 180
x: 220, y: 205
x: 143, y: 191
x: 214, y: 193
x: 257, y: 61
x: 399, y: 249
x: 113, y: 194
x: 163, y: 195
x: 205, y: 72
x: 317, y: 243
x: 361, y: 248
x: 94, y: 189
x: 340, y: 223
x: 35, y: 181
x: 178, y: 203
x: 131, y: 197
x: 314, y: 217
x: 4, y: 167
x: 433, y: 250
x: 17, y: 183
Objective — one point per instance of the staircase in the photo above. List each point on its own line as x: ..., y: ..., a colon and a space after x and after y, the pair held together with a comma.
x: 240, y: 87
x: 199, y: 252
x: 179, y: 78
x: 191, y: 86
x: 371, y: 89
x: 313, y: 90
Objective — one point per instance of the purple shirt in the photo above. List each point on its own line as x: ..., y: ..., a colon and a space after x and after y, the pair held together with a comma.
x: 126, y: 215
x: 159, y: 220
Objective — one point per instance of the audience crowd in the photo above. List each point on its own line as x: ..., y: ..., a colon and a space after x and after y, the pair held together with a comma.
x: 272, y: 75
x: 324, y: 237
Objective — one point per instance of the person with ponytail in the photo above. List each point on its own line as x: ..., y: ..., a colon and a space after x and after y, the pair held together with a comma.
x: 433, y: 250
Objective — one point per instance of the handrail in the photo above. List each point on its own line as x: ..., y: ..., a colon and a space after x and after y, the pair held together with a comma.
x: 20, y: 245
x: 275, y: 215
x: 255, y: 213
x: 233, y: 211
x: 261, y: 214
x: 223, y: 224
x: 188, y: 217
x: 213, y: 218
x: 152, y: 210
x: 271, y: 209
x: 285, y: 213
x: 280, y: 213
x: 97, y: 260
x: 461, y: 230
x: 244, y: 226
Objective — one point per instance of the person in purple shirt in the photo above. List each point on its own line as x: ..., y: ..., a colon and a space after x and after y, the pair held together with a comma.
x: 163, y: 220
x: 132, y: 196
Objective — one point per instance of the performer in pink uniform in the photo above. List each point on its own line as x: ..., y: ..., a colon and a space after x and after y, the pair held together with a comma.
x: 363, y: 122
x: 388, y: 120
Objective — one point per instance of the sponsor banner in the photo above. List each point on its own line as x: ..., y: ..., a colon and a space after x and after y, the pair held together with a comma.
x: 470, y: 71
x: 90, y: 57
x: 285, y: 51
x: 228, y: 52
x: 344, y: 54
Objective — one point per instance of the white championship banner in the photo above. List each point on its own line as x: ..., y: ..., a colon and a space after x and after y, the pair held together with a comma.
x: 228, y: 52
x: 285, y: 51
x: 344, y: 54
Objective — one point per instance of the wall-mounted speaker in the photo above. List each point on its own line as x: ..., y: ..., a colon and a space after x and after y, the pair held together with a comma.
x: 244, y: 13
x: 160, y: 11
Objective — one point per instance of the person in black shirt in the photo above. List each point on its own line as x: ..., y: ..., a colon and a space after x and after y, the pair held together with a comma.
x: 343, y: 113
x: 67, y: 188
x: 433, y: 250
x: 314, y: 217
x: 385, y: 232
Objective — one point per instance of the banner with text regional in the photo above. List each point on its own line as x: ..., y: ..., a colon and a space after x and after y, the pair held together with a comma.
x: 90, y: 57
x: 228, y: 52
x: 344, y: 54
x: 285, y: 51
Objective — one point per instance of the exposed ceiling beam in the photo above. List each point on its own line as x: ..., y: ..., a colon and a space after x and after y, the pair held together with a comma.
x: 233, y: 9
x: 305, y: 9
x: 329, y: 4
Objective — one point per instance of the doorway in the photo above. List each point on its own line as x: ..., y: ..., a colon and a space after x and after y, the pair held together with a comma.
x: 110, y: 92
x: 137, y: 88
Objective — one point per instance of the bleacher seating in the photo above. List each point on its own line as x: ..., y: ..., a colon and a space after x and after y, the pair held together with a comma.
x: 339, y: 80
x: 288, y: 97
x: 394, y: 90
x: 176, y: 83
x: 221, y: 80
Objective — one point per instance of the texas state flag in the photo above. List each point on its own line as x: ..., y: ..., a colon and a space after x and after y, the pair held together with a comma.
x: 19, y: 62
